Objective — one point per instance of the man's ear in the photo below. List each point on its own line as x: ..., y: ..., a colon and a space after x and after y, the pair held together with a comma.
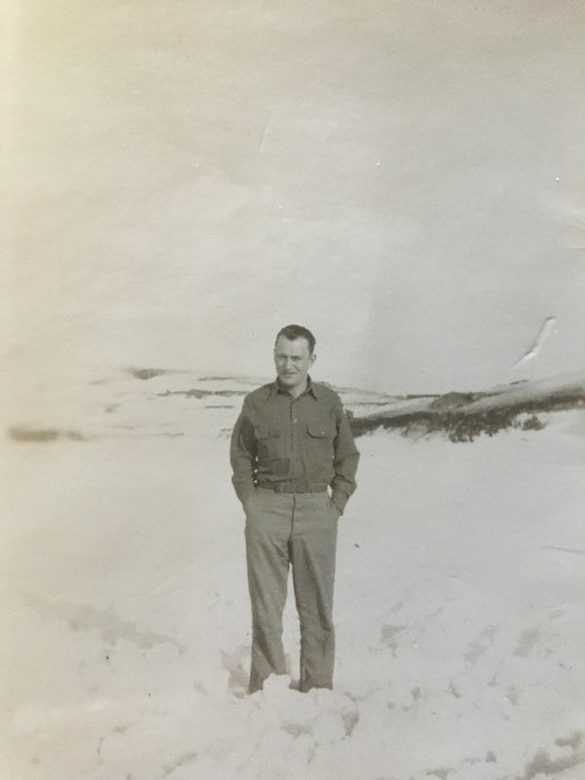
x: 313, y: 358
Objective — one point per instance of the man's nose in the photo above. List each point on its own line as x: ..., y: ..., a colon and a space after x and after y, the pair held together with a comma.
x: 288, y: 364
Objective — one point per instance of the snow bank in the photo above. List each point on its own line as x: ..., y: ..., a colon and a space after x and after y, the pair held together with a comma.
x: 460, y: 622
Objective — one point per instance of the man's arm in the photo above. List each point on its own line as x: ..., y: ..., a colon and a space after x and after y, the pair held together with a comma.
x: 243, y: 456
x: 345, y: 461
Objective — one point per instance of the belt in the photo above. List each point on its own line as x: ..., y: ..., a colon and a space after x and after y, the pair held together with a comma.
x: 293, y: 487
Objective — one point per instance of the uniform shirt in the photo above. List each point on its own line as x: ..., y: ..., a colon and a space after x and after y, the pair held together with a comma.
x: 303, y: 442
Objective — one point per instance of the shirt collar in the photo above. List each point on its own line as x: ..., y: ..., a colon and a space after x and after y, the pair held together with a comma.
x: 312, y: 389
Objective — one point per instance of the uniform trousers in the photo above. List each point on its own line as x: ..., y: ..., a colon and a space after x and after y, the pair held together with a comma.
x: 296, y: 530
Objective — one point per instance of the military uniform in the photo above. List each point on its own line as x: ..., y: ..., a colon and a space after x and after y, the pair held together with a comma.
x: 294, y: 462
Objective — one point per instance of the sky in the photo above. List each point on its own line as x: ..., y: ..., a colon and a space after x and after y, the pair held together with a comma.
x: 404, y: 178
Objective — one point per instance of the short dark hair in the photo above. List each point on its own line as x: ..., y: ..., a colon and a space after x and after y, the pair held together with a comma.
x: 292, y: 332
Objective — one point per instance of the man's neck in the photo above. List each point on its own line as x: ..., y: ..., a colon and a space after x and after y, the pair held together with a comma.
x: 296, y: 392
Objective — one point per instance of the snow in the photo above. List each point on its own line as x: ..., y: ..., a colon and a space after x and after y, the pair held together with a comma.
x: 459, y: 612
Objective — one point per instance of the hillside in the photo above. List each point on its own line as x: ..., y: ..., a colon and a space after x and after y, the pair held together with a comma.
x: 147, y: 402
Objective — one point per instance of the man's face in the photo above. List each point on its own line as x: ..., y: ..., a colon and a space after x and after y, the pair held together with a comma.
x: 293, y: 361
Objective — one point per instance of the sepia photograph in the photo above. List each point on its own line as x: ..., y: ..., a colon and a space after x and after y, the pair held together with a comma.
x: 292, y: 390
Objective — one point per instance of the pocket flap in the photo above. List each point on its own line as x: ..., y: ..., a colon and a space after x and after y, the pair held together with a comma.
x: 321, y: 430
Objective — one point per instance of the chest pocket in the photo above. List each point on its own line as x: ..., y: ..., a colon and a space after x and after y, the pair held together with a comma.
x: 268, y: 441
x: 319, y: 444
x: 321, y: 430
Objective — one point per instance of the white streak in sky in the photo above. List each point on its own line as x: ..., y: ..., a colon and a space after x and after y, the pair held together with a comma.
x: 545, y: 331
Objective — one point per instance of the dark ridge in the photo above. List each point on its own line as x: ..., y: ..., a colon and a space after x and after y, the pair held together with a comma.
x: 194, y: 393
x: 225, y: 379
x: 240, y: 380
x: 370, y: 403
x: 42, y: 435
x: 461, y: 423
x: 219, y: 406
x: 147, y: 373
x: 454, y: 400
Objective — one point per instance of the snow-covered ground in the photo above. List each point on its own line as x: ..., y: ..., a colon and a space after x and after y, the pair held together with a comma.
x: 125, y: 616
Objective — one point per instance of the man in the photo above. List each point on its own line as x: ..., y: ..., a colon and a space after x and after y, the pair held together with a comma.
x: 292, y: 444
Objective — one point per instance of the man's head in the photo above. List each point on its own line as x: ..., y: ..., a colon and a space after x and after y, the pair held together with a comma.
x: 294, y: 354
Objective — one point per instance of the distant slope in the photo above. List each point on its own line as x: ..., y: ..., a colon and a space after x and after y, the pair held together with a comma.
x: 464, y: 416
x: 149, y: 402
